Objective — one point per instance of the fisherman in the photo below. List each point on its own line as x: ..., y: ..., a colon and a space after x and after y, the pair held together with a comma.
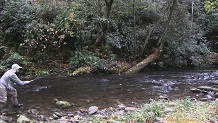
x: 7, y: 82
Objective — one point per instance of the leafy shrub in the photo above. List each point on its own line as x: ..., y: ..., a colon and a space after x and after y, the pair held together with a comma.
x: 211, y: 6
x: 9, y: 59
x: 85, y: 58
x: 185, y: 42
x: 13, y: 21
x: 49, y: 34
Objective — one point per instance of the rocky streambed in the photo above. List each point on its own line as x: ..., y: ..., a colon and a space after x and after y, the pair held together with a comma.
x: 210, y: 90
x: 196, y: 111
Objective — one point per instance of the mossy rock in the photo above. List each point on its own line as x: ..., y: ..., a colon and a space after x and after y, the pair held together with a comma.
x: 62, y: 104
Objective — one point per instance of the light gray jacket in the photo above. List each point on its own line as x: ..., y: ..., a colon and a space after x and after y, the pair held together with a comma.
x: 10, y: 78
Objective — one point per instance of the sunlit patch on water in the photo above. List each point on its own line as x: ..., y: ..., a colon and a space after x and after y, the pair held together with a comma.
x: 166, y: 87
x: 39, y: 88
x: 36, y: 88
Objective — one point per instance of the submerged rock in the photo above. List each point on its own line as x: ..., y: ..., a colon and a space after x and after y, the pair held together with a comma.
x: 196, y: 90
x: 62, y: 104
x: 214, y: 82
x: 208, y: 88
x: 216, y: 95
x: 33, y: 111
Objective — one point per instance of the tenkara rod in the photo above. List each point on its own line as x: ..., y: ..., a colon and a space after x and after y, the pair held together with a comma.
x: 48, y: 74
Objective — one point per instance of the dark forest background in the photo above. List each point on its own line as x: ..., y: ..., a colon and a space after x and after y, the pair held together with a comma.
x: 46, y: 35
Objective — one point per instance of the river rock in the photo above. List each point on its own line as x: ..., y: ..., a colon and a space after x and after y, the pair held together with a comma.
x: 216, y: 86
x: 113, y: 121
x: 63, y: 120
x: 33, y: 111
x: 23, y: 119
x: 193, y: 99
x: 214, y: 82
x: 216, y: 95
x: 208, y: 88
x: 58, y: 114
x: 92, y: 110
x: 120, y: 112
x: 130, y: 108
x: 164, y: 97
x: 209, y: 97
x: 4, y: 118
x: 2, y: 121
x: 195, y: 90
x: 204, y: 99
x: 212, y: 120
x: 54, y: 116
x: 62, y: 104
x: 121, y: 106
x: 77, y: 118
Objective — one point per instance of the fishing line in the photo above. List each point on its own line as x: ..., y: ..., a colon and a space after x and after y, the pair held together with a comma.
x: 101, y: 75
x: 49, y: 74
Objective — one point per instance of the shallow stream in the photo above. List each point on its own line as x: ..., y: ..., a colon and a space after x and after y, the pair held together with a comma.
x: 108, y: 90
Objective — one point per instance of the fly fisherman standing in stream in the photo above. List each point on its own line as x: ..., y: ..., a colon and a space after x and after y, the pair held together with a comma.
x: 7, y: 82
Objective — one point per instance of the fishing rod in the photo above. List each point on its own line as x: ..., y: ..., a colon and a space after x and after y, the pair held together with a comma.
x: 43, y: 76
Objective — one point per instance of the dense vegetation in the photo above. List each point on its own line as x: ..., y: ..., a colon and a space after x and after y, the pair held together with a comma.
x: 176, y: 111
x: 44, y: 35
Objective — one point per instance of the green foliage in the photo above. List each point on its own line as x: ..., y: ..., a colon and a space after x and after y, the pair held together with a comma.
x: 123, y: 37
x: 178, y: 111
x: 213, y: 35
x: 185, y: 42
x: 48, y: 35
x: 9, y: 59
x: 13, y: 21
x: 48, y: 32
x: 211, y: 6
x: 2, y: 51
x: 85, y: 58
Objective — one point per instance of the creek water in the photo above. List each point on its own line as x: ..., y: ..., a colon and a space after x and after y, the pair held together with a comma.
x: 107, y: 90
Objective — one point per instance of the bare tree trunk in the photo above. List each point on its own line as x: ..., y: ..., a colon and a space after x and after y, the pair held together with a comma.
x: 172, y: 8
x: 109, y: 6
x: 1, y: 5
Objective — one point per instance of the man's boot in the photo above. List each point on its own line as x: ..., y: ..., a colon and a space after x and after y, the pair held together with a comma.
x: 17, y: 105
x: 15, y: 102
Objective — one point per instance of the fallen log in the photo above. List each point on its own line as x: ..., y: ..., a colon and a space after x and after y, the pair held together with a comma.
x: 145, y: 62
